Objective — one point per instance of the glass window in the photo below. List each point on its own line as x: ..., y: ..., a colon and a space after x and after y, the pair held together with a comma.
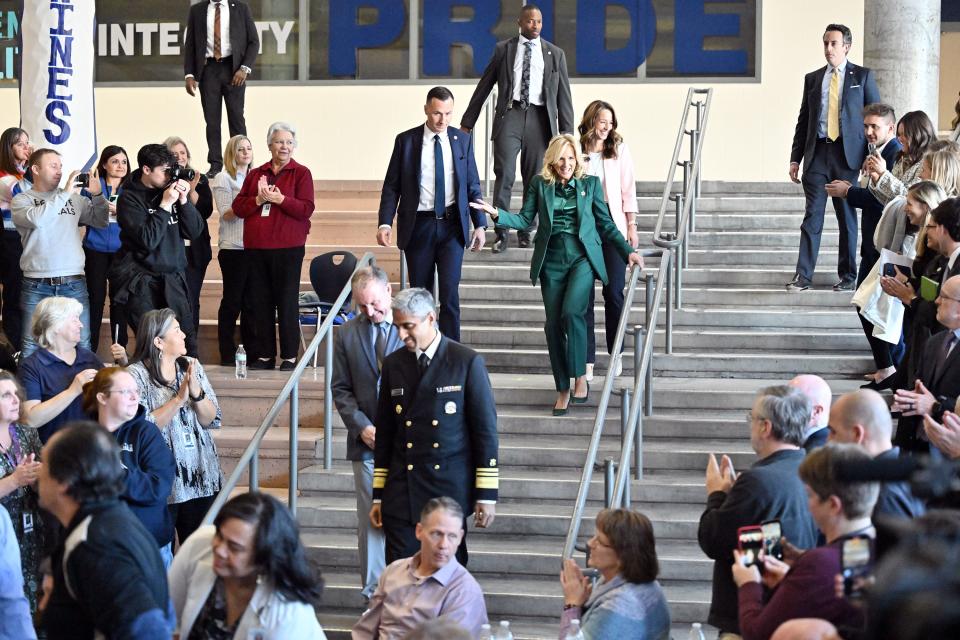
x: 359, y: 40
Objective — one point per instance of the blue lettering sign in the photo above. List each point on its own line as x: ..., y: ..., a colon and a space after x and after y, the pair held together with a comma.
x: 54, y: 111
x: 440, y: 33
x: 347, y: 36
x: 692, y: 26
x: 61, y: 52
x: 56, y: 81
x: 593, y: 56
x: 61, y: 9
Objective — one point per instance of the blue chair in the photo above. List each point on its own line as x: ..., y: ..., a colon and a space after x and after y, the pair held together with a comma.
x: 329, y: 273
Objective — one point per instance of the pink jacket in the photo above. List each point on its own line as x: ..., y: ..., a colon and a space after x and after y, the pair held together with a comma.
x: 619, y: 187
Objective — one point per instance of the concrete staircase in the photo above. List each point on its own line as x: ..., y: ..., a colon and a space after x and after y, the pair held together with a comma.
x: 738, y: 330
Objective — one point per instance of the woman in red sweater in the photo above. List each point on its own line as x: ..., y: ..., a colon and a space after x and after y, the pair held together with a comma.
x: 276, y: 203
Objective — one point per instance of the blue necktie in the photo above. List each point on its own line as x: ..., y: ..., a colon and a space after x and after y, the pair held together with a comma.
x: 439, y: 192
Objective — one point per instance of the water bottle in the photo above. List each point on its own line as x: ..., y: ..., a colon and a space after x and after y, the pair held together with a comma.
x: 485, y: 633
x: 574, y: 633
x: 503, y: 631
x: 240, y: 361
x: 696, y: 633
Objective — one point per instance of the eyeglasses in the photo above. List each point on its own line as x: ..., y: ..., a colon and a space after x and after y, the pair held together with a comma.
x: 948, y: 297
x: 130, y: 393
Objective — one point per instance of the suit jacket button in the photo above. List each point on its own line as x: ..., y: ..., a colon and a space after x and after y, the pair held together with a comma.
x: 436, y: 445
x: 409, y: 467
x: 409, y: 423
x: 409, y: 445
x: 435, y: 423
x: 436, y: 467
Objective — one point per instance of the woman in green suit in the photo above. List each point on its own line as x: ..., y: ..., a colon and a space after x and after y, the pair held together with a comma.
x: 567, y: 256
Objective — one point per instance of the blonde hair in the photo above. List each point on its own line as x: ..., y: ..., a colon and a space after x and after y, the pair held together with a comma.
x: 552, y: 155
x: 49, y: 315
x: 930, y: 194
x: 944, y: 166
x: 230, y: 154
x: 173, y: 141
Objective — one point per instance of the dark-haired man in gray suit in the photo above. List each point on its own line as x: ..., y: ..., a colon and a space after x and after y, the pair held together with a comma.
x: 829, y: 140
x: 533, y: 105
x: 361, y: 345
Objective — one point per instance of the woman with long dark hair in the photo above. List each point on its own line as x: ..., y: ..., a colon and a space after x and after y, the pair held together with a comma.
x: 179, y: 399
x: 247, y: 571
x: 608, y: 159
x: 100, y: 247
x: 915, y: 132
x: 15, y: 151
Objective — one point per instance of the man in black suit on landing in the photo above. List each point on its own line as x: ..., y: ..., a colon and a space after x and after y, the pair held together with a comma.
x: 219, y: 51
x: 533, y: 105
x: 830, y: 142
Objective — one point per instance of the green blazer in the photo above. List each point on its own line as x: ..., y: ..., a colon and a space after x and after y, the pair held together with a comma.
x: 593, y: 214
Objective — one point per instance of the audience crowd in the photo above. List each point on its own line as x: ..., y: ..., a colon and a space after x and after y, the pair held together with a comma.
x: 837, y: 529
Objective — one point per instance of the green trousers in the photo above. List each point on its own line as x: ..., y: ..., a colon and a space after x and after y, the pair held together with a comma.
x: 565, y: 283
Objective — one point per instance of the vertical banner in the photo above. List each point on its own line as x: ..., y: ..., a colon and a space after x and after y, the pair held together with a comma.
x: 56, y: 78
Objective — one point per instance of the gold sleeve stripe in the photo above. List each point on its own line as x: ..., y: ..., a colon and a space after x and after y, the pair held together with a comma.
x: 379, y: 483
x: 379, y: 472
x: 488, y: 472
x: 487, y: 483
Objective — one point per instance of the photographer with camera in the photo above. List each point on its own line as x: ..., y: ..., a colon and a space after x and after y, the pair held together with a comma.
x: 48, y: 219
x: 156, y: 216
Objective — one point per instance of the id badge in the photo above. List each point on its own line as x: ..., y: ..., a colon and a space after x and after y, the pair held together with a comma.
x: 27, y: 522
x: 265, y: 211
x: 188, y: 440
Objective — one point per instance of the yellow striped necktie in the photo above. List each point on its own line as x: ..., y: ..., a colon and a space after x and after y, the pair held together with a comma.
x: 833, y: 106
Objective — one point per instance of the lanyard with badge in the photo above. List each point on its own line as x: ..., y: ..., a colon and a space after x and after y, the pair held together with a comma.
x: 186, y: 433
x: 14, y: 454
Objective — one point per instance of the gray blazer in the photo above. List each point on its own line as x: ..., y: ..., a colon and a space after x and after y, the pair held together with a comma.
x: 356, y: 380
x: 556, y: 87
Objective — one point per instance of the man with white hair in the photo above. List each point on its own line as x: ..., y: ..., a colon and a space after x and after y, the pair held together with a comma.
x: 818, y: 392
x: 862, y: 418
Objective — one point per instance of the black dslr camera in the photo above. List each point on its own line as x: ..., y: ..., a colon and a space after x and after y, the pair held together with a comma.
x: 177, y: 172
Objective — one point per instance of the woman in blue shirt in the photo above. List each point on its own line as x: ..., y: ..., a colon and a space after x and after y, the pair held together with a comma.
x: 101, y: 246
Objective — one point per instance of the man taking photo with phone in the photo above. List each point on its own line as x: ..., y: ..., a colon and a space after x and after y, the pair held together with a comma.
x: 48, y: 219
x: 155, y: 217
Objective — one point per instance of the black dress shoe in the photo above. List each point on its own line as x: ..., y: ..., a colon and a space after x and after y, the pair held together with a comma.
x: 213, y: 171
x: 288, y: 365
x: 799, y: 283
x: 580, y: 399
x: 879, y: 385
x: 847, y: 284
x: 523, y: 239
x: 260, y: 363
x: 500, y: 244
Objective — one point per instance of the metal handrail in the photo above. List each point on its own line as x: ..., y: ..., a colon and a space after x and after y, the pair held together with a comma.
x: 672, y: 252
x: 291, y: 390
x: 587, y: 474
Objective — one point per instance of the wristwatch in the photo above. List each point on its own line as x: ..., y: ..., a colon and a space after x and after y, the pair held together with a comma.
x: 203, y: 394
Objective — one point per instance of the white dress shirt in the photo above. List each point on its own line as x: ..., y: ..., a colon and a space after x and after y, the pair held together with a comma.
x: 428, y: 171
x: 224, y: 28
x: 536, y: 71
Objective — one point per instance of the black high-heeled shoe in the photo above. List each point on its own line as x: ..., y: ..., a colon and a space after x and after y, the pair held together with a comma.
x: 879, y: 385
x: 580, y: 399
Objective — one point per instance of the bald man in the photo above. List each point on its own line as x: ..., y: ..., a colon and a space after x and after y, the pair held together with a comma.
x: 818, y: 392
x: 863, y: 418
x: 806, y: 629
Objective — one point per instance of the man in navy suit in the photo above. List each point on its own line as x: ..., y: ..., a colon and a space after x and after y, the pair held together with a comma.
x: 431, y: 179
x: 829, y: 140
x: 361, y: 345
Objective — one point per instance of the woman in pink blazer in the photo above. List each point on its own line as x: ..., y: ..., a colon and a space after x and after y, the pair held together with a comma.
x: 608, y: 158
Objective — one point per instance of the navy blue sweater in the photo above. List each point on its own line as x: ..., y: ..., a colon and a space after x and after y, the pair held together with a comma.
x: 150, y: 468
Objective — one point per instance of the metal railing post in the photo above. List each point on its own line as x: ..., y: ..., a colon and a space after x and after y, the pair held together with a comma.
x: 609, y: 471
x: 648, y: 299
x: 638, y: 449
x: 254, y: 472
x: 668, y: 331
x: 678, y: 251
x: 328, y: 400
x: 638, y: 333
x: 695, y: 143
x: 403, y: 270
x: 648, y: 388
x: 293, y: 477
x: 625, y: 395
x: 686, y: 235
